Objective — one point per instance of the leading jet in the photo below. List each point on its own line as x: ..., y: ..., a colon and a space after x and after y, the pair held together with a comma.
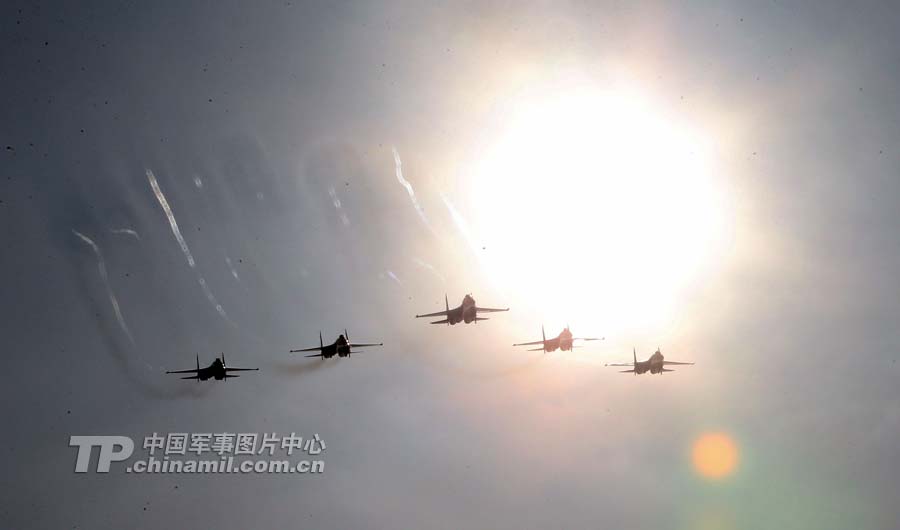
x: 564, y: 341
x: 342, y: 347
x: 656, y: 364
x: 218, y: 370
x: 466, y: 312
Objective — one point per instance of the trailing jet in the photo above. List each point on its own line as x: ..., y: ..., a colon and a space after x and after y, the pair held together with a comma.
x: 466, y: 312
x: 564, y: 341
x: 218, y: 370
x: 342, y: 347
x: 656, y: 364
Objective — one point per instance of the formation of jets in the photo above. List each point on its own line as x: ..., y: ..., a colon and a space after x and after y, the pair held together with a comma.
x: 467, y: 312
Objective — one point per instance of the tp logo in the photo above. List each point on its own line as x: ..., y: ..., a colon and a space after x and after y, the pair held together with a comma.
x: 108, y: 452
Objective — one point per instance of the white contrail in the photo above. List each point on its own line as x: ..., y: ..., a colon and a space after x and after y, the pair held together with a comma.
x: 126, y: 231
x: 101, y: 266
x: 398, y: 169
x: 430, y: 267
x: 394, y: 277
x: 460, y: 223
x: 231, y: 267
x: 337, y: 206
x: 184, y: 246
x: 172, y: 222
x: 212, y: 299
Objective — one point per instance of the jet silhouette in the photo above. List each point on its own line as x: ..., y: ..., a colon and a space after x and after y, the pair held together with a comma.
x: 656, y: 364
x: 342, y: 347
x: 466, y: 312
x: 564, y: 341
x: 218, y: 370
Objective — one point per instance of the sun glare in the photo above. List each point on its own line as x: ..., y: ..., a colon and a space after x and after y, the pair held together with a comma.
x: 598, y: 207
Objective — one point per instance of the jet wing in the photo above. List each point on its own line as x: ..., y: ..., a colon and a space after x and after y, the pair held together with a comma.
x: 355, y: 345
x: 317, y: 348
x: 673, y: 362
x: 628, y: 371
x: 229, y: 369
x: 619, y: 364
x: 588, y: 338
x: 438, y: 314
x: 530, y: 343
x: 445, y: 321
x: 196, y: 371
x: 489, y: 309
x: 320, y: 354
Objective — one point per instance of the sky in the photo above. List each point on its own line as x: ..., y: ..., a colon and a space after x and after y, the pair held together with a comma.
x: 716, y: 180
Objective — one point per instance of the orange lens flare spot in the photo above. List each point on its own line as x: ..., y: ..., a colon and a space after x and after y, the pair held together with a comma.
x: 715, y: 455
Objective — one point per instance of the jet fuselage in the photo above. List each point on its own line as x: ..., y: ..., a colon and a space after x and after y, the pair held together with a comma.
x: 465, y: 312
x: 340, y: 347
x: 654, y: 364
x: 216, y: 371
x: 563, y: 342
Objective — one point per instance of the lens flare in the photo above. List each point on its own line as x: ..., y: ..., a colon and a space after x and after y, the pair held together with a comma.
x: 715, y: 455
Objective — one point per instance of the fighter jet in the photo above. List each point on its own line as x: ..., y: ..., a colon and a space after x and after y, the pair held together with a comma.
x: 342, y: 347
x: 656, y: 364
x: 466, y: 312
x: 218, y: 370
x: 564, y: 341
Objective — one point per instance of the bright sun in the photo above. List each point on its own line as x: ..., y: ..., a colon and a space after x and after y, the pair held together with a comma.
x: 596, y: 204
